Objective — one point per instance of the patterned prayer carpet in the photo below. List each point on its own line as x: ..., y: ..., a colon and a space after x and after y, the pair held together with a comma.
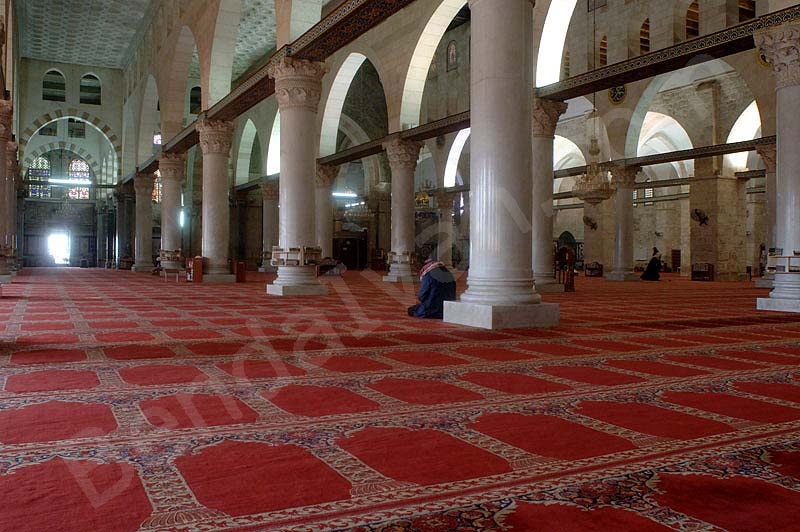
x: 131, y: 403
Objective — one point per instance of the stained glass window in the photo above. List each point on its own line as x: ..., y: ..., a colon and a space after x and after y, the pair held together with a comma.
x: 78, y: 193
x: 79, y: 169
x: 39, y: 191
x: 157, y: 190
x: 40, y: 168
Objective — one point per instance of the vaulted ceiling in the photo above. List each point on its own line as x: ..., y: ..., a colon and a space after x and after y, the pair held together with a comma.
x: 87, y: 32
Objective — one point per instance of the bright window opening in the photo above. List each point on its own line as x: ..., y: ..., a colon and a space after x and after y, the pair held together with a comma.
x: 554, y: 33
x: 58, y: 247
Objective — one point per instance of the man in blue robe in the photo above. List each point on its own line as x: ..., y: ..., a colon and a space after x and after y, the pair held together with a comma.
x: 438, y: 285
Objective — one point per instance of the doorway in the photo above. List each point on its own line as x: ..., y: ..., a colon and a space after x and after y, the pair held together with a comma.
x: 58, y: 247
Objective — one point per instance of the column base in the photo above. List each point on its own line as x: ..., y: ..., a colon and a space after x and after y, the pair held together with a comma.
x: 778, y: 305
x: 495, y: 317
x: 142, y: 268
x: 297, y: 290
x: 297, y: 281
x: 622, y: 276
x: 5, y: 278
x: 767, y: 281
x: 219, y: 278
x: 267, y: 269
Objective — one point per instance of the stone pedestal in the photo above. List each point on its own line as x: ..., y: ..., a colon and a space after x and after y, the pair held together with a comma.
x: 768, y: 156
x: 445, y: 201
x: 402, y: 157
x: 780, y: 44
x: 269, y: 223
x: 624, y: 178
x: 171, y: 167
x: 215, y: 142
x: 545, y: 119
x: 6, y: 222
x: 298, y: 86
x: 143, y: 242
x: 500, y: 290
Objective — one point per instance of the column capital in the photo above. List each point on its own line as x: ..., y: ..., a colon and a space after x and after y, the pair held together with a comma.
x: 326, y: 175
x: 545, y: 116
x: 768, y: 154
x: 269, y: 190
x: 215, y: 135
x: 171, y: 167
x: 6, y: 114
x: 402, y: 153
x: 298, y: 82
x: 143, y: 184
x: 624, y: 176
x: 781, y: 46
x: 446, y: 199
x: 12, y: 163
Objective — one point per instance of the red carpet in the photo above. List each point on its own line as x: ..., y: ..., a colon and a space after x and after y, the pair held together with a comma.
x: 127, y: 403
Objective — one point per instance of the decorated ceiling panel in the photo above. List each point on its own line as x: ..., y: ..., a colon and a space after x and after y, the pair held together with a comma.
x: 88, y: 32
x: 257, y: 34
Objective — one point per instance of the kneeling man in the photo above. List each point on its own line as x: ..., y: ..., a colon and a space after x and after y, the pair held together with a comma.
x: 438, y: 286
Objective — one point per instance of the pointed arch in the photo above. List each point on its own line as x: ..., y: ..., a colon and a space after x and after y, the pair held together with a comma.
x: 249, y: 134
x: 417, y: 73
x: 176, y: 83
x: 551, y: 46
x: 218, y: 74
x: 149, y: 120
x: 274, y: 151
x: 452, y: 176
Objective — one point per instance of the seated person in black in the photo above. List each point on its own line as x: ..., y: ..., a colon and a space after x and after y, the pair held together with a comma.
x: 652, y: 272
x: 438, y: 286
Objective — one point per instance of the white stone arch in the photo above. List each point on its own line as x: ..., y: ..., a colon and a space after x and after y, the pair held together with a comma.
x: 274, y: 149
x: 59, y: 114
x: 746, y: 127
x: 356, y: 135
x: 176, y: 78
x: 661, y: 133
x: 217, y: 73
x: 149, y: 120
x: 334, y: 97
x: 420, y: 63
x: 452, y: 176
x: 553, y: 36
x: 566, y: 154
x: 244, y: 153
x: 70, y: 147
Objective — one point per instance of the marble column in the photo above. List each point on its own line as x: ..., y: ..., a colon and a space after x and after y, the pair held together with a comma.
x: 780, y: 45
x: 623, y: 178
x: 102, y: 232
x: 269, y: 223
x: 500, y: 291
x: 215, y: 142
x: 545, y: 119
x: 298, y: 87
x: 326, y: 175
x: 172, y: 169
x: 445, y: 202
x: 143, y: 241
x: 403, y: 156
x: 768, y: 154
x: 6, y: 239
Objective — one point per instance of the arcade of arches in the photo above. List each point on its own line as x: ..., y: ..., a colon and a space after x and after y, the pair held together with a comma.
x: 266, y: 137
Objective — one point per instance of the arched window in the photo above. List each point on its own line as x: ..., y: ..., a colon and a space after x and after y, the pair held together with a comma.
x: 157, y: 188
x: 565, y: 65
x: 195, y: 101
x: 747, y: 10
x: 693, y: 21
x: 602, y: 56
x: 644, y: 37
x: 90, y: 90
x: 40, y: 168
x: 54, y: 86
x: 79, y: 172
x: 452, y: 56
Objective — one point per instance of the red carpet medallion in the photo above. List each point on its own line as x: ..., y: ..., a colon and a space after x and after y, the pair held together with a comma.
x: 127, y: 403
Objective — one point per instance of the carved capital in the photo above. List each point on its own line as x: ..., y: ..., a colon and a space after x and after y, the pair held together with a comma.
x: 446, y: 200
x: 12, y: 163
x: 768, y: 154
x: 6, y: 114
x: 545, y: 116
x: 269, y: 190
x: 781, y: 46
x: 143, y: 185
x: 215, y: 136
x: 326, y: 175
x: 298, y: 82
x: 171, y: 167
x: 624, y: 176
x: 402, y: 153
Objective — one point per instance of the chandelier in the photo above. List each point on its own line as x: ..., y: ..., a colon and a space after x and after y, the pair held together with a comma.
x: 594, y: 186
